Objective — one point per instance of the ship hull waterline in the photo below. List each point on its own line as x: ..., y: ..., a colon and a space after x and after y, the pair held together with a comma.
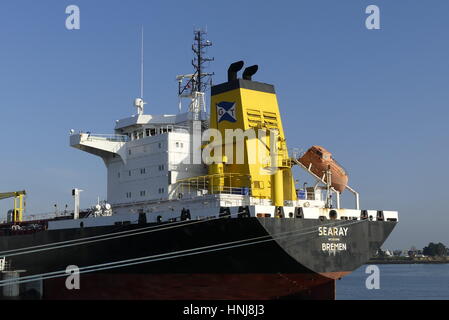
x: 226, y: 258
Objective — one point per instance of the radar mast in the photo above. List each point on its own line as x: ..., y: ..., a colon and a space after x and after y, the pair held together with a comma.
x: 198, y: 82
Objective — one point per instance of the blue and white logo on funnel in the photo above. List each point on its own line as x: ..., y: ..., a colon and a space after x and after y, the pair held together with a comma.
x: 226, y: 111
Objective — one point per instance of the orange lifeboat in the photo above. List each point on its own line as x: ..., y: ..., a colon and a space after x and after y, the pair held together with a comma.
x: 322, y: 160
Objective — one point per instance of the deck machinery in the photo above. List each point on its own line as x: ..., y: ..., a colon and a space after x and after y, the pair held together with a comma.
x: 16, y: 215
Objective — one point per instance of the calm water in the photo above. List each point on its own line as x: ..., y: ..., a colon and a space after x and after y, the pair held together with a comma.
x: 398, y: 282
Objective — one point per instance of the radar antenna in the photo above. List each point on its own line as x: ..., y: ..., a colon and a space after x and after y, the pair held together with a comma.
x: 199, y: 81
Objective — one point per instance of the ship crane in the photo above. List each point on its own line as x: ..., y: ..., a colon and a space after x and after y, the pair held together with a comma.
x: 19, y: 204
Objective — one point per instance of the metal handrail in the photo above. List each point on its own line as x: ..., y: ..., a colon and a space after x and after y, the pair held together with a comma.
x: 49, y: 215
x: 108, y: 137
x: 206, y: 182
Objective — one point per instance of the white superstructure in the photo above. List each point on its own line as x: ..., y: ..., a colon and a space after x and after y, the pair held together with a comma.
x: 155, y: 172
x: 146, y: 156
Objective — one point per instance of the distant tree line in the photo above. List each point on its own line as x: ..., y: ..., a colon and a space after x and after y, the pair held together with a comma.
x: 435, y: 250
x: 432, y: 250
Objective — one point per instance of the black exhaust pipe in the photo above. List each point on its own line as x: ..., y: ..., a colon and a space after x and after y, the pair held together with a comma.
x: 233, y: 69
x: 250, y: 71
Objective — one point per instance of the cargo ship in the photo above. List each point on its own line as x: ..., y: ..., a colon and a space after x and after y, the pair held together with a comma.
x: 201, y: 204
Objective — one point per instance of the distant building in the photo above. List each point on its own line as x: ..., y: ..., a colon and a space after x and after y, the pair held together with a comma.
x: 397, y: 253
x: 388, y: 253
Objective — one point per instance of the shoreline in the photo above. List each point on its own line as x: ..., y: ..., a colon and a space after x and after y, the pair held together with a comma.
x: 407, y: 261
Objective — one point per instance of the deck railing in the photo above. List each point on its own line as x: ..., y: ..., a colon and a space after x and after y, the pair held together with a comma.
x: 107, y: 137
x: 227, y: 183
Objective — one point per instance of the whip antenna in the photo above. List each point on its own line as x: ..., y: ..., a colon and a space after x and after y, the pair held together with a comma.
x: 141, y: 67
x: 139, y: 102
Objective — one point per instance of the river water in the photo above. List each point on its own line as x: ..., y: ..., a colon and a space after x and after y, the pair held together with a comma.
x: 397, y: 282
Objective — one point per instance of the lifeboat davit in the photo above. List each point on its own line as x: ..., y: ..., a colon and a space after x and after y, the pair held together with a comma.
x: 322, y: 160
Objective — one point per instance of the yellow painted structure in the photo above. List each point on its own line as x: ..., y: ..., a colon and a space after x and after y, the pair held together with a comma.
x: 19, y: 203
x: 251, y: 108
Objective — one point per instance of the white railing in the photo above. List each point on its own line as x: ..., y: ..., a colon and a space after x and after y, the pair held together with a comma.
x: 107, y: 137
x: 180, y: 128
x: 228, y: 183
x: 50, y: 215
x: 187, y: 191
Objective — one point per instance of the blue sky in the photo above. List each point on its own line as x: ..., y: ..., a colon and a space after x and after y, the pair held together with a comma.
x: 378, y: 99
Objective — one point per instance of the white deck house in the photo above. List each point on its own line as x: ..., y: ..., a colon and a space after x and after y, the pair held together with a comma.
x: 146, y: 156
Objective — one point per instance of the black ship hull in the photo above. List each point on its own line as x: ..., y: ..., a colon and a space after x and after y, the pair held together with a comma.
x: 226, y: 258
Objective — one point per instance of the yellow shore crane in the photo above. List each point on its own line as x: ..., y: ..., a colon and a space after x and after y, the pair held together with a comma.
x: 19, y: 204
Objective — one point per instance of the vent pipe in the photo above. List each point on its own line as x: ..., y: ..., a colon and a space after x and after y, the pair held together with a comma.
x: 250, y: 71
x: 233, y: 69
